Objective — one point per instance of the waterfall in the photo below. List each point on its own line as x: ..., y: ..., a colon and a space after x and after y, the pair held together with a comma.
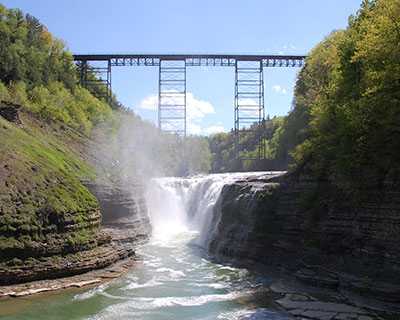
x: 188, y: 204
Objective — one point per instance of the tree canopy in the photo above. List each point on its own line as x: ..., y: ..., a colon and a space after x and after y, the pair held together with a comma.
x: 29, y: 52
x: 348, y: 99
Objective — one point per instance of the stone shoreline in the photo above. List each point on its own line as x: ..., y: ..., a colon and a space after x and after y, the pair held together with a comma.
x: 262, y: 224
x: 307, y: 301
x: 90, y: 278
x: 112, y: 261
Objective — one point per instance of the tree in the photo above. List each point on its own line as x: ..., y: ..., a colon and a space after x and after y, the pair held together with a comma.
x: 349, y: 96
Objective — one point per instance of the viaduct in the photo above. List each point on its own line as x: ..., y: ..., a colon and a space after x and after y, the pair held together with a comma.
x: 249, y: 84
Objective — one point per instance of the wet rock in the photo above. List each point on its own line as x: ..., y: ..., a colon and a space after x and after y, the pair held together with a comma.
x: 297, y: 312
x: 316, y: 314
x: 9, y: 111
x: 312, y: 278
x: 322, y: 310
x: 319, y: 306
x: 298, y: 297
x: 364, y: 318
x: 346, y: 316
x: 126, y: 225
x: 117, y: 203
x: 380, y: 291
x: 261, y: 221
x: 88, y: 268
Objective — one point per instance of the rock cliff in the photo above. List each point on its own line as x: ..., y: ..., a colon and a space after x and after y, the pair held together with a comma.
x: 316, y: 232
x: 50, y: 224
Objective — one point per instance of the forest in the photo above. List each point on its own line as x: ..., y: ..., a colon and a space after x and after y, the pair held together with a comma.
x: 343, y: 122
x: 38, y: 73
x: 346, y: 111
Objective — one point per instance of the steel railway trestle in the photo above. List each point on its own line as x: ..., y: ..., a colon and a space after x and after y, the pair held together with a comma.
x: 249, y: 86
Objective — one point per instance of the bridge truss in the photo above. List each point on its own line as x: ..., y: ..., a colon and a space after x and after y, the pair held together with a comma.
x: 249, y: 87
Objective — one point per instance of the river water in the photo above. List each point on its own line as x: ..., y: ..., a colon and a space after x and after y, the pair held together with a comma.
x: 177, y: 279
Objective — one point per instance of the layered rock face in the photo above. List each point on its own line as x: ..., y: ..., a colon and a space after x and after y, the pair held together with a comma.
x: 316, y: 232
x: 124, y: 225
x: 121, y: 203
x: 50, y: 224
x: 124, y: 213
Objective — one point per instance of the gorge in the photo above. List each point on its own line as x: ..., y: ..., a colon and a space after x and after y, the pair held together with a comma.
x: 96, y: 224
x: 253, y: 218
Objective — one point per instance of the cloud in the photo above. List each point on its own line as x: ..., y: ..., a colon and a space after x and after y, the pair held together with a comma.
x: 278, y: 89
x: 193, y: 128
x: 248, y: 102
x: 149, y: 103
x: 195, y: 109
x: 214, y: 129
x: 283, y: 49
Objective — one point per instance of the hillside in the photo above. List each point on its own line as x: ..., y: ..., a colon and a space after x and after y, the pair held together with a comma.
x: 45, y: 211
x: 347, y: 101
x: 58, y: 139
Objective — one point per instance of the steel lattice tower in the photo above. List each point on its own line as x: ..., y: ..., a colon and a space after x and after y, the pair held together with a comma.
x: 102, y: 72
x: 172, y: 97
x: 249, y: 108
x: 249, y: 88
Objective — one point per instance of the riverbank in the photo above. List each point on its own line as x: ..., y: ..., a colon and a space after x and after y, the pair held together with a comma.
x: 51, y: 225
x: 309, y: 301
x: 106, y: 263
x: 299, y: 301
x: 344, y: 251
x: 300, y: 282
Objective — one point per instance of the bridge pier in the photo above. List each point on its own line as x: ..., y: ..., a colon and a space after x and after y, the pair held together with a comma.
x: 172, y: 97
x: 249, y: 108
x: 249, y: 88
x: 96, y: 77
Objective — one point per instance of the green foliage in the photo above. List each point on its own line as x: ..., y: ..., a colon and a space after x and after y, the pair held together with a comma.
x: 268, y: 192
x: 37, y: 71
x: 80, y: 109
x: 4, y: 93
x: 40, y: 191
x: 198, y: 154
x: 348, y: 97
x: 222, y: 147
x: 310, y: 202
x: 29, y: 53
x: 222, y: 151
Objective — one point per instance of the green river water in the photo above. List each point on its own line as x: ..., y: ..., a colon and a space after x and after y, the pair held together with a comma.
x: 177, y: 279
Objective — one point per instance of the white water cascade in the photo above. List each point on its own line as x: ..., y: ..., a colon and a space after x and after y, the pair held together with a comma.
x: 188, y: 204
x: 174, y: 280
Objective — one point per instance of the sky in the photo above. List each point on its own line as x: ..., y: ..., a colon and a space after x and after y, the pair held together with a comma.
x: 187, y: 26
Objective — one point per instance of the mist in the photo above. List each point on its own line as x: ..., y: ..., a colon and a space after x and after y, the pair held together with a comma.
x: 139, y: 151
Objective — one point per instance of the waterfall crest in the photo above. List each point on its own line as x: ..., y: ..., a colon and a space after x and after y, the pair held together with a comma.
x: 189, y: 204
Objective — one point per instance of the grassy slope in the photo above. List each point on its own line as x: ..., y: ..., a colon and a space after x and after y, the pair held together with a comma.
x: 44, y: 208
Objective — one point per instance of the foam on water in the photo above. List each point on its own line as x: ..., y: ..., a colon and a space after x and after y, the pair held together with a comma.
x: 177, y: 205
x: 176, y: 279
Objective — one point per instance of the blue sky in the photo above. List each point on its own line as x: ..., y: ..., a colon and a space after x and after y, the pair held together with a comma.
x: 207, y: 26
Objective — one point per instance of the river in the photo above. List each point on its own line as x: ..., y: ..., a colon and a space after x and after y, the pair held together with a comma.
x: 177, y: 278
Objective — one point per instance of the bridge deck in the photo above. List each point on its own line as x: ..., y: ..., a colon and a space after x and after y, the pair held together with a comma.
x: 228, y: 60
x: 249, y: 85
